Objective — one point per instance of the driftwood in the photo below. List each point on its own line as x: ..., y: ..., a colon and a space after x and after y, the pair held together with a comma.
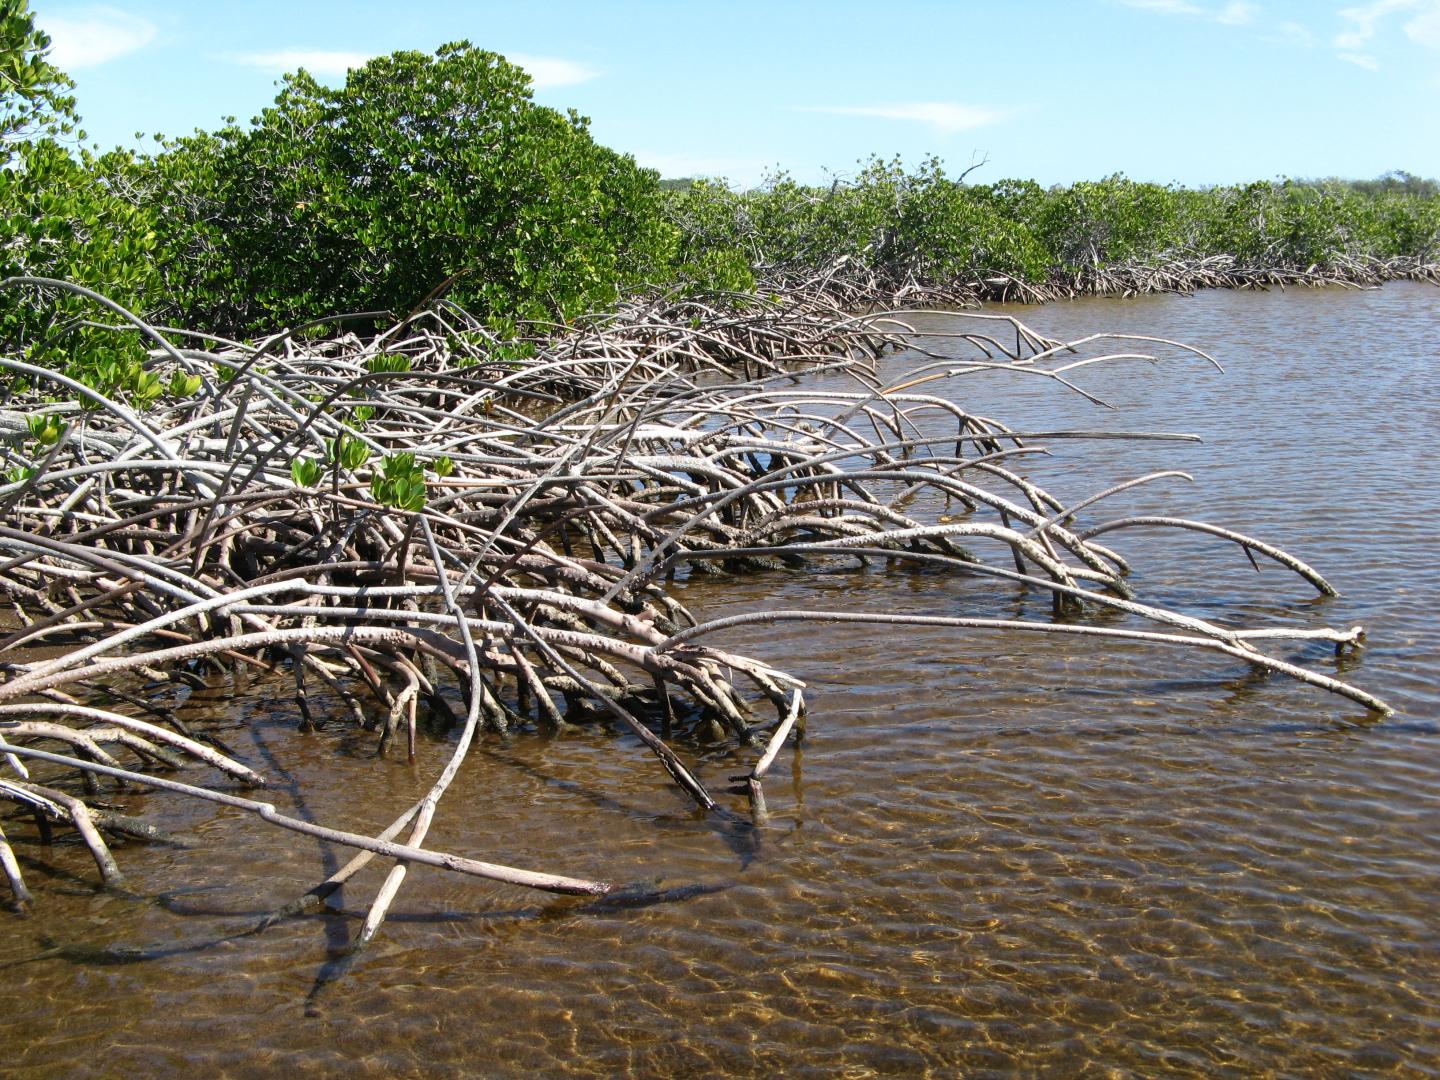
x: 446, y: 528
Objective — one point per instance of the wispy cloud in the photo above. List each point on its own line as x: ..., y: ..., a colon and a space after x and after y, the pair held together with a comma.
x: 946, y: 117
x: 1236, y: 13
x: 550, y: 71
x: 91, y: 36
x: 315, y: 61
x: 1364, y: 60
x: 1361, y: 24
x: 1424, y: 28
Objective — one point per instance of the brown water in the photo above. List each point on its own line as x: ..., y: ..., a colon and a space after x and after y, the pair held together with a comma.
x: 994, y: 854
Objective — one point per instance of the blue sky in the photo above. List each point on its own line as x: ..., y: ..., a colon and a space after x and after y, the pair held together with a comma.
x: 1193, y: 91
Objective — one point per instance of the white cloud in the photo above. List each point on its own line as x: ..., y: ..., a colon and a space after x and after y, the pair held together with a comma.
x: 1362, y: 24
x: 1424, y: 28
x: 946, y: 117
x: 91, y: 36
x: 548, y: 71
x: 315, y: 61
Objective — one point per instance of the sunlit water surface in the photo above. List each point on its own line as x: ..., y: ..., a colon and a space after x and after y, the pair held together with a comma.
x: 993, y: 853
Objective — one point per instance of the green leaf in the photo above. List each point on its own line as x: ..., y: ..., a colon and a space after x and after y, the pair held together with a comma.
x: 183, y: 385
x: 306, y: 472
x: 388, y: 362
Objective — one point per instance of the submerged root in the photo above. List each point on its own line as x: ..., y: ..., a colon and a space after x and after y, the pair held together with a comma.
x: 449, y: 530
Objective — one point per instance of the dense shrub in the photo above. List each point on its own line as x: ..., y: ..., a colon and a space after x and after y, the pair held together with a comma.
x: 921, y: 225
x: 68, y: 217
x: 62, y: 215
x: 421, y: 173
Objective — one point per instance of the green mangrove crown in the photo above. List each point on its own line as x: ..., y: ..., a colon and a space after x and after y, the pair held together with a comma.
x: 422, y: 173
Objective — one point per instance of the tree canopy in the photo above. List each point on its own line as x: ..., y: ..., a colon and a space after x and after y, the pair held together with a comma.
x: 423, y: 173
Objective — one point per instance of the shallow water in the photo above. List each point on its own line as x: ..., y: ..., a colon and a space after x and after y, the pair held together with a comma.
x: 994, y: 852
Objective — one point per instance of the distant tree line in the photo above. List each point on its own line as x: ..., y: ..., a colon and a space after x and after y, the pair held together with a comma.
x: 1394, y: 182
x: 921, y: 225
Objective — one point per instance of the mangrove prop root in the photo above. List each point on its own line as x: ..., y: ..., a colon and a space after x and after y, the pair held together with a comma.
x: 267, y: 812
x: 441, y: 516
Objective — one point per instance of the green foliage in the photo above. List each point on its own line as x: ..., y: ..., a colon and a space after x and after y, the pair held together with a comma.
x: 949, y: 231
x: 61, y: 216
x: 900, y: 224
x: 348, y: 452
x: 34, y: 94
x: 145, y: 388
x: 713, y: 253
x: 45, y: 429
x: 307, y: 472
x: 421, y: 174
x: 114, y: 366
x: 184, y: 386
x: 1298, y: 225
x: 71, y: 218
x: 388, y: 362
x: 399, y: 483
x: 920, y: 225
x: 1395, y: 182
x: 1089, y: 226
